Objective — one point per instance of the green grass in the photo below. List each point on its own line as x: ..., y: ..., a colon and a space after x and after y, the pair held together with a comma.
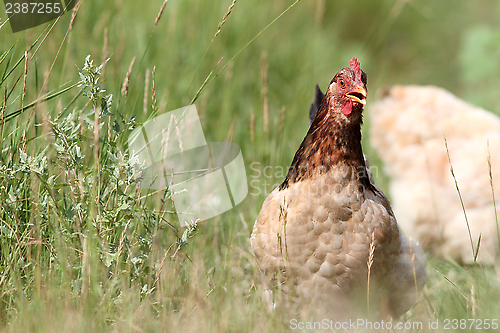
x: 80, y: 252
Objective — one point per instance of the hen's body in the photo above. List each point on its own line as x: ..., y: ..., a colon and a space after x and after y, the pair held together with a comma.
x: 322, y: 225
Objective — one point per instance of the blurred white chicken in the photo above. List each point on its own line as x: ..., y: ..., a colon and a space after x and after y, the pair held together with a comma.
x: 407, y: 127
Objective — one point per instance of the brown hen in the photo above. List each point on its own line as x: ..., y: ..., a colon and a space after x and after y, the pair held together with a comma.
x: 327, y: 235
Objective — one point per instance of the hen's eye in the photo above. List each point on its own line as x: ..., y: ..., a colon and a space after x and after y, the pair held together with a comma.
x: 342, y: 83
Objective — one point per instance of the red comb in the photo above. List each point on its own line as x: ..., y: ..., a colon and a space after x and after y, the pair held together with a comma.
x: 355, y: 68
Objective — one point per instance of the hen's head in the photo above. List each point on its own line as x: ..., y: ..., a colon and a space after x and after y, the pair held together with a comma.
x: 347, y: 92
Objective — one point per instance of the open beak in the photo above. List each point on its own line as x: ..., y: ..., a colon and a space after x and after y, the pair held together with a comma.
x: 358, y: 95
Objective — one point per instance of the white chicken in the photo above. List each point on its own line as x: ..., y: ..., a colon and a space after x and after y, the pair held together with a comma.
x: 408, y: 127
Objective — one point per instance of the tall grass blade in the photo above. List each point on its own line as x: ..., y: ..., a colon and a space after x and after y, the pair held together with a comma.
x: 241, y: 50
x: 254, y: 38
x: 206, y: 52
x: 4, y: 56
x: 453, y: 284
x: 474, y: 255
x: 493, y: 196
x: 477, y: 248
x: 16, y: 113
x: 5, y: 76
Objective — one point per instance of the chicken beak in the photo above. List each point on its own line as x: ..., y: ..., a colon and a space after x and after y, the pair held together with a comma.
x: 358, y: 95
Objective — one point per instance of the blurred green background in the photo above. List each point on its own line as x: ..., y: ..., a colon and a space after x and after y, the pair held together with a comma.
x: 452, y: 44
x: 260, y: 101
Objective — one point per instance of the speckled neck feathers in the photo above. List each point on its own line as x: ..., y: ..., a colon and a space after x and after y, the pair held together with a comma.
x: 331, y: 142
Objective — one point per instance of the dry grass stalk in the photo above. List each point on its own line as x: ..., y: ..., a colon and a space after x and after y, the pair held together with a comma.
x: 3, y: 111
x: 120, y: 247
x: 369, y: 264
x: 230, y: 133
x: 252, y: 125
x: 45, y: 37
x: 160, y: 12
x: 105, y: 52
x: 205, y: 82
x: 264, y: 90
x: 474, y: 253
x: 165, y: 138
x: 25, y: 73
x: 224, y: 18
x: 36, y: 51
x: 96, y: 142
x: 85, y: 270
x: 413, y: 265
x: 46, y: 81
x: 473, y: 301
x: 73, y: 15
x: 109, y: 128
x: 153, y: 89
x: 127, y: 79
x: 179, y: 135
x: 160, y: 270
x: 284, y: 217
x: 493, y: 195
x: 206, y: 52
x: 146, y: 87
x: 96, y: 149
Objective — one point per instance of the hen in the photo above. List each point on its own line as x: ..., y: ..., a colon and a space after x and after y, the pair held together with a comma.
x: 407, y: 127
x: 327, y: 233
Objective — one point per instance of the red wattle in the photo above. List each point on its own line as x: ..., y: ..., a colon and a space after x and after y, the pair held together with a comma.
x: 347, y: 108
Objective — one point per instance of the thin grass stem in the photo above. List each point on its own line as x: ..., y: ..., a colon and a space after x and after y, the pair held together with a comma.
x: 474, y: 252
